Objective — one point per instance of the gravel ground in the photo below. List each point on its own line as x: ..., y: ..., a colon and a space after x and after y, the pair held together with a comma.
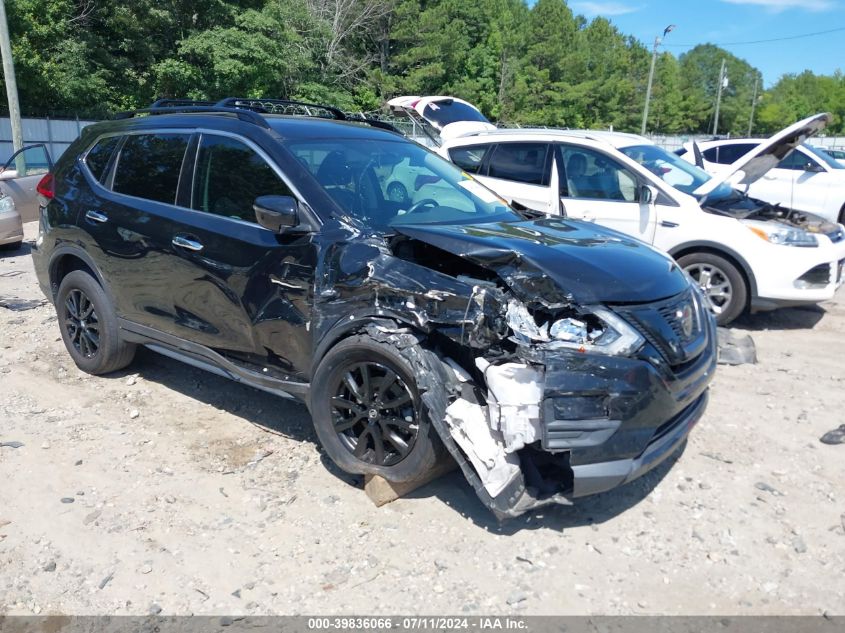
x: 166, y: 489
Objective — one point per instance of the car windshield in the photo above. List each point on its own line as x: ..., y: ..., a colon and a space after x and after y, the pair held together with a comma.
x: 674, y: 170
x: 385, y: 183
x: 823, y: 156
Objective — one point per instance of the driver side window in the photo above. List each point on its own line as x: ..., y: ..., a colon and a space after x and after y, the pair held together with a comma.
x: 229, y: 176
x: 592, y: 175
x: 797, y: 161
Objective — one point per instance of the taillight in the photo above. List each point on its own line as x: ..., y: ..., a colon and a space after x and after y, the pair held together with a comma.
x: 46, y: 187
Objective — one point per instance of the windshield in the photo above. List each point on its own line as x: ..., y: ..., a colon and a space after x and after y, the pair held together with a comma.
x: 823, y: 156
x: 386, y: 183
x: 674, y: 170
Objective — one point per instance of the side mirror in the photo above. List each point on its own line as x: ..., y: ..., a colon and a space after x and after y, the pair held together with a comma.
x: 648, y: 194
x: 276, y: 213
x: 812, y: 167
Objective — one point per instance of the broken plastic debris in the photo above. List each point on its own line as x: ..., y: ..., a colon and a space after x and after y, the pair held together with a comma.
x: 521, y: 322
x: 515, y: 393
x: 486, y: 452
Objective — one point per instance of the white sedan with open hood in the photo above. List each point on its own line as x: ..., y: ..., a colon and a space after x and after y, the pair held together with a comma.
x: 744, y: 253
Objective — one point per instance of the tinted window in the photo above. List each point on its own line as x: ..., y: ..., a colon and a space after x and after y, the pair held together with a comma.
x: 590, y: 174
x: 797, y: 161
x: 229, y: 177
x: 469, y: 158
x: 149, y: 166
x: 99, y: 155
x: 521, y: 162
x: 727, y: 154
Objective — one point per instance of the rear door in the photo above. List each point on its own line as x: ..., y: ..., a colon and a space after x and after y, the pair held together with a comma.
x: 519, y: 172
x: 21, y: 174
x: 597, y: 188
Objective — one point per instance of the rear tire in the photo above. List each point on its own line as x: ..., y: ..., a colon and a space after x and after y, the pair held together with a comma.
x: 368, y: 414
x: 88, y: 324
x: 720, y: 280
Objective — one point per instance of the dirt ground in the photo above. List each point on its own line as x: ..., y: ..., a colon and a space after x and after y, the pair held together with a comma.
x: 167, y: 489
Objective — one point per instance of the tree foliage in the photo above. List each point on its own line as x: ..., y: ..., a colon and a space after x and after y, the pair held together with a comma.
x: 540, y: 64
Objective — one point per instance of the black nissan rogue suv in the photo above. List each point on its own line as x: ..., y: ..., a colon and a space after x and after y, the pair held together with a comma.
x: 550, y: 358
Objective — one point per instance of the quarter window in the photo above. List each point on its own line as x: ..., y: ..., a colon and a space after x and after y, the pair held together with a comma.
x: 229, y: 177
x: 469, y: 158
x: 98, y: 156
x: 149, y: 166
x: 520, y: 162
x: 593, y: 175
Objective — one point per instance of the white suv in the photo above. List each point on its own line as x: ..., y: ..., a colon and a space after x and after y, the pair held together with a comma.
x: 743, y: 253
x: 807, y: 178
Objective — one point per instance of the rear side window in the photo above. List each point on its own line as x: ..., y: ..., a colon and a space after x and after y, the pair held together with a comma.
x: 520, y: 162
x: 229, y: 176
x: 469, y: 158
x: 98, y: 156
x: 727, y: 154
x: 149, y: 165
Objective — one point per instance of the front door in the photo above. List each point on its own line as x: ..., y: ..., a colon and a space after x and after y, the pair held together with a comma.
x: 597, y: 188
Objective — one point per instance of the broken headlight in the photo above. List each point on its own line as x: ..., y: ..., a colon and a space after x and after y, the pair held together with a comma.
x: 592, y: 329
x: 780, y: 234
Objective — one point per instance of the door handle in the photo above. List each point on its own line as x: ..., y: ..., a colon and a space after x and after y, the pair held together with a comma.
x: 96, y: 216
x: 186, y: 243
x: 589, y: 217
x: 668, y: 224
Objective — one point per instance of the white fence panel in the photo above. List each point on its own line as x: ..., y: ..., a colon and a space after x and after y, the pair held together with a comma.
x: 56, y: 134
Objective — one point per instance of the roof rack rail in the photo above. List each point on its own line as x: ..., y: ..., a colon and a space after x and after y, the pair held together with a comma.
x: 251, y: 109
x: 301, y: 108
x: 175, y: 106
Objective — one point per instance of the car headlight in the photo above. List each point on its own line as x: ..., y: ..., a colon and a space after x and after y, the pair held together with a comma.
x: 592, y: 329
x: 785, y: 235
x: 7, y: 204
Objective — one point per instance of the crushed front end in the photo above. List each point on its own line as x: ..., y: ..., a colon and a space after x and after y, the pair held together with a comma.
x: 584, y: 379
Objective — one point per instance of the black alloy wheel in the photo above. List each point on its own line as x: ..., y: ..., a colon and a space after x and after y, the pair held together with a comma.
x: 81, y: 323
x: 374, y: 414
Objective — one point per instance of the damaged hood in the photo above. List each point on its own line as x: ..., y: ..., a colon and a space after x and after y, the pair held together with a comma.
x: 586, y: 264
x: 767, y: 154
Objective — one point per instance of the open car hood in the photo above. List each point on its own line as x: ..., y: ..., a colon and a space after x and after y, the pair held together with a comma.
x: 449, y: 116
x: 559, y: 260
x: 754, y: 165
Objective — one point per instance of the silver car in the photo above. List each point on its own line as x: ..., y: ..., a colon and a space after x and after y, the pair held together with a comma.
x: 19, y: 179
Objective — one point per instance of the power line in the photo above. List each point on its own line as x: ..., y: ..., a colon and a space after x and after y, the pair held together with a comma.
x: 774, y: 39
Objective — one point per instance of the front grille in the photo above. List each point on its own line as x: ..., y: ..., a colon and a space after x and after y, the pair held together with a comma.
x: 675, y: 327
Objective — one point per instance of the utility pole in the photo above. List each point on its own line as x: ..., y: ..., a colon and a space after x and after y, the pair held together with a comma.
x: 753, y: 105
x: 723, y: 79
x: 11, y: 86
x: 657, y: 41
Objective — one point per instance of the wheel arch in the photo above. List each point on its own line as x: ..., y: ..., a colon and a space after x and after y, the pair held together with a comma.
x: 66, y: 259
x: 721, y: 250
x: 353, y: 325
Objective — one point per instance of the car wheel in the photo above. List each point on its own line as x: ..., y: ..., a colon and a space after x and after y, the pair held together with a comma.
x: 720, y: 281
x: 368, y: 413
x: 88, y: 324
x: 396, y: 192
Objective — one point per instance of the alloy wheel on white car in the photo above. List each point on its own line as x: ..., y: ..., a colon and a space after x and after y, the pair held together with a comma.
x: 714, y: 283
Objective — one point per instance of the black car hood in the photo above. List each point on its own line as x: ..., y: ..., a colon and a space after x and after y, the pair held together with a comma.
x: 585, y: 263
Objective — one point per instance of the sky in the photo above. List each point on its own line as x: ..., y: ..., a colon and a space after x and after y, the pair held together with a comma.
x: 728, y: 23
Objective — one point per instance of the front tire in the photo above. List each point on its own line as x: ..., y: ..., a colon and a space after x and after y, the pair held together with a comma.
x: 88, y: 324
x: 368, y: 414
x: 720, y: 281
